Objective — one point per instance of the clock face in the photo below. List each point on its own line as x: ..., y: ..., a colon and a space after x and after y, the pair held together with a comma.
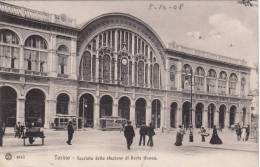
x: 124, y: 61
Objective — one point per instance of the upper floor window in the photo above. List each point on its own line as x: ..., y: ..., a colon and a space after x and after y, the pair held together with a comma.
x: 186, y: 76
x: 232, y: 84
x: 199, y: 79
x: 36, y: 54
x: 243, y: 83
x: 222, y: 82
x: 9, y: 49
x: 173, y: 76
x: 211, y: 81
x: 63, y: 54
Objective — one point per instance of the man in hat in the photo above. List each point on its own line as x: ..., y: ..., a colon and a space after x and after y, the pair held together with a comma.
x: 142, y: 132
x: 70, y: 132
x: 129, y: 134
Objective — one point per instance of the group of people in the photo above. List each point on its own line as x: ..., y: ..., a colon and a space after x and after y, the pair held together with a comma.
x: 129, y: 134
x: 242, y: 132
x: 181, y: 131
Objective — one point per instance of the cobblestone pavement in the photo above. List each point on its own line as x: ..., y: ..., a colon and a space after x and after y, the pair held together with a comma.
x: 96, y: 148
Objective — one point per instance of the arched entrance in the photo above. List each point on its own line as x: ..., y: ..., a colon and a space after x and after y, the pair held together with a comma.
x: 211, y: 112
x: 106, y: 106
x: 173, y: 113
x: 232, y: 115
x: 62, y: 106
x: 186, y: 115
x: 86, y: 110
x: 156, y: 113
x: 35, y: 107
x: 140, y: 111
x: 124, y: 107
x: 244, y: 116
x: 222, y: 112
x: 8, y: 104
x: 198, y: 115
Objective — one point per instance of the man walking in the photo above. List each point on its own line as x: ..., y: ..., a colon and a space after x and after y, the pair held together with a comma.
x: 129, y: 134
x: 142, y: 132
x: 150, y: 133
x: 2, y: 132
x: 70, y: 132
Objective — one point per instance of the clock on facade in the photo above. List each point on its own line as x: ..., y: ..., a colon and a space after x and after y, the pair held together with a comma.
x: 124, y: 61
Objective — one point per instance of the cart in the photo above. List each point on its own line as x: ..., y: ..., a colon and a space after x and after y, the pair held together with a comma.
x: 32, y: 133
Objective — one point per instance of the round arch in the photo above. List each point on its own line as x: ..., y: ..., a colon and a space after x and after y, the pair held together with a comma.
x: 106, y: 106
x: 186, y: 114
x: 36, y: 34
x: 140, y: 111
x: 173, y: 114
x: 222, y: 115
x: 35, y: 107
x: 8, y: 105
x: 156, y: 113
x: 211, y: 114
x: 199, y: 115
x: 124, y: 103
x: 232, y: 115
x: 86, y: 110
x: 62, y: 105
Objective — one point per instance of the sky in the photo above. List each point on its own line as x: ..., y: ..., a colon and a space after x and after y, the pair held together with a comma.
x: 222, y: 27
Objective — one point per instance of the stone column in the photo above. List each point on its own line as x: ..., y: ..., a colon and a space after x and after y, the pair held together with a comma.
x: 52, y: 57
x: 162, y: 115
x: 20, y: 110
x: 193, y: 117
x: 133, y: 72
x: 227, y: 114
x: 216, y: 118
x: 97, y: 68
x: 178, y: 116
x: 132, y: 114
x: 116, y: 70
x: 73, y: 59
x: 148, y: 113
x: 205, y: 118
x: 21, y: 59
x: 47, y: 114
x: 178, y: 75
x: 115, y: 108
x: 96, y: 114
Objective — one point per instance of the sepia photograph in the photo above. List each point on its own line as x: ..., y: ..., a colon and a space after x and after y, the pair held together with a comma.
x: 143, y: 83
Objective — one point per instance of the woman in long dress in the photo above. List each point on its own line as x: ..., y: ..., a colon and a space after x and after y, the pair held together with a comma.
x: 243, y: 134
x: 215, y: 139
x: 179, y: 136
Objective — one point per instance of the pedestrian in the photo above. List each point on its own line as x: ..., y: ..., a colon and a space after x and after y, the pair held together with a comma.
x: 150, y: 133
x: 129, y: 134
x: 142, y: 132
x: 247, y: 132
x: 203, y: 134
x: 179, y: 136
x: 238, y: 132
x: 17, y: 130
x: 2, y: 133
x: 215, y: 138
x: 70, y: 132
x: 243, y: 133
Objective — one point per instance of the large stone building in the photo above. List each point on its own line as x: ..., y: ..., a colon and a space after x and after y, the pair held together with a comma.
x: 118, y: 66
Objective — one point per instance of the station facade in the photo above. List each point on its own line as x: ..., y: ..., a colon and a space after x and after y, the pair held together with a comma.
x: 114, y: 65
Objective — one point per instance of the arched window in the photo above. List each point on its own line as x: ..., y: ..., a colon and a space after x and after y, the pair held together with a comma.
x: 156, y: 76
x: 9, y: 49
x: 62, y: 104
x: 124, y: 63
x: 63, y: 54
x: 243, y: 83
x: 199, y: 79
x: 172, y: 76
x: 222, y: 82
x: 140, y: 73
x: 86, y: 66
x: 186, y: 76
x: 211, y: 81
x: 106, y: 68
x: 232, y: 84
x: 36, y: 54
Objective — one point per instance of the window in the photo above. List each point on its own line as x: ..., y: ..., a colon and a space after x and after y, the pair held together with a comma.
x: 9, y: 49
x: 63, y: 55
x: 211, y: 81
x: 36, y: 54
x: 232, y: 84
x: 243, y: 83
x: 222, y: 82
x: 172, y: 76
x: 199, y: 79
x: 186, y: 76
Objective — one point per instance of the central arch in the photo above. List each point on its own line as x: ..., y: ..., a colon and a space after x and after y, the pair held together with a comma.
x: 8, y: 105
x: 198, y: 115
x: 174, y: 107
x: 211, y: 112
x: 222, y: 112
x: 86, y: 110
x: 35, y: 107
x: 156, y: 113
x: 106, y: 106
x: 140, y: 111
x: 124, y: 107
x: 186, y: 115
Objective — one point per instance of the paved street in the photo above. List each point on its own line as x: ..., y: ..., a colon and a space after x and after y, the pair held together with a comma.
x: 98, y: 148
